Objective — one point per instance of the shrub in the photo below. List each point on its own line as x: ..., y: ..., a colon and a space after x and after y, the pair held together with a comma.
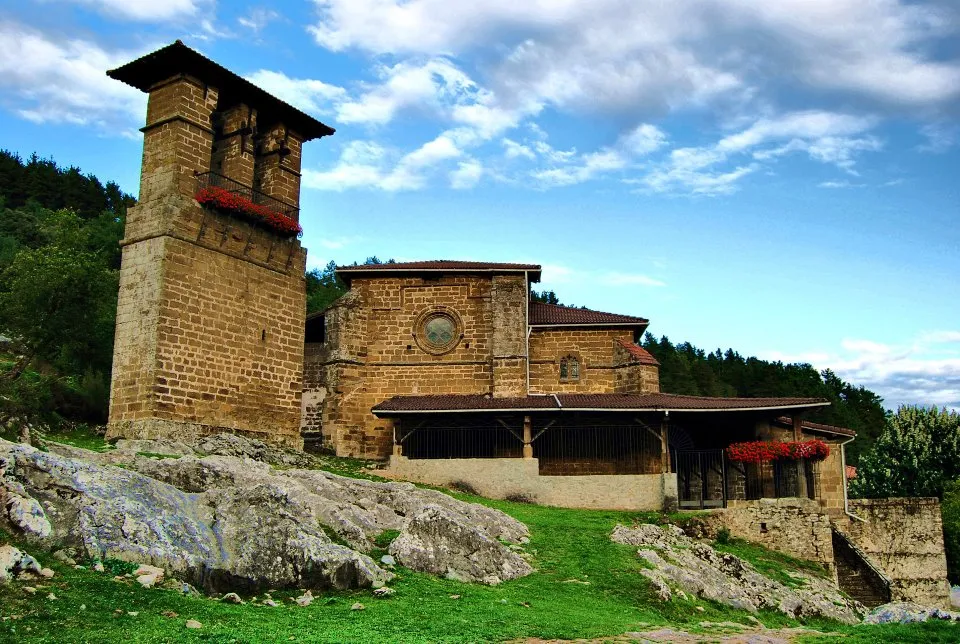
x: 917, y: 454
x: 723, y: 535
x: 463, y: 486
x: 950, y: 508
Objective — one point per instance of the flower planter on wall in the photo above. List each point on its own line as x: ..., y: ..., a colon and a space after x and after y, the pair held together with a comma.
x: 763, y: 451
x: 234, y: 205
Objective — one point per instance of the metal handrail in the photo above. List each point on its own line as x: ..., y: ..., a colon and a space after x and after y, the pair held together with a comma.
x: 217, y: 180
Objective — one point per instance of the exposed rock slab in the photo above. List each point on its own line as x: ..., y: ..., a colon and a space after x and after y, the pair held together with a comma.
x: 908, y: 613
x: 438, y: 541
x: 680, y: 563
x: 229, y: 523
x: 243, y: 538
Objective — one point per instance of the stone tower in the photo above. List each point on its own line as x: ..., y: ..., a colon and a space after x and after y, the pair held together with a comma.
x: 210, y: 317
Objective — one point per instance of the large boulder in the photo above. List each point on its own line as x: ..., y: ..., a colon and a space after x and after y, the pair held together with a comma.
x: 242, y: 538
x: 232, y: 523
x: 439, y: 541
x: 907, y: 613
x: 679, y: 563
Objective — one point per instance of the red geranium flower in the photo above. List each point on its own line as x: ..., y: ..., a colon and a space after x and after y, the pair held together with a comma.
x: 232, y: 203
x: 762, y: 451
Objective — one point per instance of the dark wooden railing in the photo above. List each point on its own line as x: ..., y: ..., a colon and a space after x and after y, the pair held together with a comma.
x: 217, y: 180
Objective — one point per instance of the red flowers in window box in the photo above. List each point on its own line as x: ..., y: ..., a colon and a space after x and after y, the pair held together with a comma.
x: 761, y: 451
x: 234, y: 204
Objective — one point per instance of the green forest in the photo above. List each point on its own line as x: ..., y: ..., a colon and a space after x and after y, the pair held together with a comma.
x: 59, y: 265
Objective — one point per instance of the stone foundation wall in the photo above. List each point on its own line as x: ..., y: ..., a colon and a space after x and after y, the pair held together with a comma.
x: 796, y: 527
x: 904, y: 539
x: 499, y: 478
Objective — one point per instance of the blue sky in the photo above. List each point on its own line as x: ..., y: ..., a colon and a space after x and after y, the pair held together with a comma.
x: 778, y: 177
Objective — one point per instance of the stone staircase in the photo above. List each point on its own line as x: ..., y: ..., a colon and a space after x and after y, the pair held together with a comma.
x: 856, y: 575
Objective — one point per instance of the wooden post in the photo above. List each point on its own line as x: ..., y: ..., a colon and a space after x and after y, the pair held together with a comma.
x: 527, y: 438
x: 665, y: 443
x: 397, y: 446
x: 801, y: 474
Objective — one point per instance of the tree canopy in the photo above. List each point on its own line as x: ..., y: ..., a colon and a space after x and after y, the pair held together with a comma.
x: 59, y: 267
x: 686, y: 369
x: 916, y: 454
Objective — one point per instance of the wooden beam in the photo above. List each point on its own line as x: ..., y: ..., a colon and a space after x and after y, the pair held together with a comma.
x: 527, y: 437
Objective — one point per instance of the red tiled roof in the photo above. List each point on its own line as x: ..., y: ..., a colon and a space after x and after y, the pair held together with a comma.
x: 640, y: 354
x: 584, y: 402
x: 552, y: 315
x: 442, y: 266
x: 817, y: 427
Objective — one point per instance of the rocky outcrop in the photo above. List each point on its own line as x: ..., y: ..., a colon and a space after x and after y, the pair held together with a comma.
x: 15, y: 562
x: 908, y: 613
x: 680, y: 564
x: 440, y: 542
x: 229, y: 523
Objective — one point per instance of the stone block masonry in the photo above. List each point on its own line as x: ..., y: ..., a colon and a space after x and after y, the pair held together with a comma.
x: 797, y: 527
x: 211, y: 309
x: 904, y: 539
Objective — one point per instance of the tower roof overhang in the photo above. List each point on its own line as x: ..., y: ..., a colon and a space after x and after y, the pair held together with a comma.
x: 176, y: 58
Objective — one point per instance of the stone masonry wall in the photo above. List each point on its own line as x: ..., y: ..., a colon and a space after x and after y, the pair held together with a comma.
x: 831, y: 470
x: 904, y: 539
x: 602, y: 370
x: 500, y: 478
x: 371, y: 354
x: 508, y: 309
x: 797, y: 527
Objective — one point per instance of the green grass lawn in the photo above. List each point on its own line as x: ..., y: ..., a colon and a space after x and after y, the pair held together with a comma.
x: 585, y: 586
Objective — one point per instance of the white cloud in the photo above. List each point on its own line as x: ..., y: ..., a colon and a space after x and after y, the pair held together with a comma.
x: 840, y: 184
x: 940, y: 137
x: 925, y: 371
x: 513, y: 150
x: 435, y: 84
x: 360, y: 166
x: 365, y: 164
x: 644, y: 139
x: 648, y: 57
x: 146, y: 10
x: 570, y: 169
x: 827, y: 137
x: 309, y: 95
x: 258, y: 18
x: 467, y: 175
x: 53, y: 80
x: 633, y: 279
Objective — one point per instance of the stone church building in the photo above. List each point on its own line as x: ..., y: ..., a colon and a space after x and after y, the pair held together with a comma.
x: 454, y: 374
